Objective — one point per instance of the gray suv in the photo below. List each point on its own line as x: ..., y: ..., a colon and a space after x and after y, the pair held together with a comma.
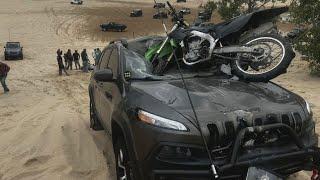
x: 156, y: 137
x: 13, y: 50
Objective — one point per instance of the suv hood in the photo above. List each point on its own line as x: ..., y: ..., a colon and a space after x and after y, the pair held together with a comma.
x: 214, y: 99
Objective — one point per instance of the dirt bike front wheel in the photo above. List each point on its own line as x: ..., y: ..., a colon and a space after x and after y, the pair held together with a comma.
x: 273, y: 57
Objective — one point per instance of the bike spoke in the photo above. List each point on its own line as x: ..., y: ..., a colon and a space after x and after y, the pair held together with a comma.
x: 266, y: 61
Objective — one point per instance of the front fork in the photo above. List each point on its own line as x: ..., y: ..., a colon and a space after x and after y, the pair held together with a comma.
x: 155, y: 57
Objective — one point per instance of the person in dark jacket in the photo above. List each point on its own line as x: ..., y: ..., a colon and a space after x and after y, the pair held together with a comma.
x: 85, y: 60
x: 76, y: 58
x: 59, y: 52
x: 4, y: 70
x: 69, y: 59
x: 65, y: 59
x: 61, y: 66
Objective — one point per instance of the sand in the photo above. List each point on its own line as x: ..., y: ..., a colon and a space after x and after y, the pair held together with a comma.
x: 44, y: 120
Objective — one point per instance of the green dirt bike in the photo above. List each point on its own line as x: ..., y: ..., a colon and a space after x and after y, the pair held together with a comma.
x: 162, y: 53
x: 245, y: 43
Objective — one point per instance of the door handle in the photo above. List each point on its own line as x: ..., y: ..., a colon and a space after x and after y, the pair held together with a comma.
x: 108, y: 96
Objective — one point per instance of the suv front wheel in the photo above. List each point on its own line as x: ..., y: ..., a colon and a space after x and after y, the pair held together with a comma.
x: 122, y: 158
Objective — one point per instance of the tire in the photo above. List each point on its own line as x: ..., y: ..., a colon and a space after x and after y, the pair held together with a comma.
x: 279, y: 69
x: 94, y: 121
x: 122, y: 159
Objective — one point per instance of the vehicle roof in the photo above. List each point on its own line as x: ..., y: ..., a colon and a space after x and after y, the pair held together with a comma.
x: 13, y: 42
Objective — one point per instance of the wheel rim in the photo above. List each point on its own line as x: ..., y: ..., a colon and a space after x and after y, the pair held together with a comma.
x: 274, y: 58
x: 122, y: 171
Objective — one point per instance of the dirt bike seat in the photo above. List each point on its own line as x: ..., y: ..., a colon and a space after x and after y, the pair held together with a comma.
x: 202, y: 29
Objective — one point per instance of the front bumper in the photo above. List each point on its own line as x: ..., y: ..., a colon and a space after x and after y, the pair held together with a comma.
x: 13, y: 55
x: 301, y: 154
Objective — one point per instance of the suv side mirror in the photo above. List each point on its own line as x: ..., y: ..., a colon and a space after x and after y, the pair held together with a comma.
x: 104, y: 75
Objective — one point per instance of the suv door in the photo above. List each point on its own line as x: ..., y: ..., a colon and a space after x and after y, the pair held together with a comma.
x: 97, y: 86
x: 111, y: 96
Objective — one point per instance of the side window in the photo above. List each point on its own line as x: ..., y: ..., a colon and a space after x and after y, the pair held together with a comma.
x: 104, y: 60
x: 113, y: 62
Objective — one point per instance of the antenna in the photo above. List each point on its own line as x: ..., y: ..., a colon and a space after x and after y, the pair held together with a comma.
x: 212, y: 166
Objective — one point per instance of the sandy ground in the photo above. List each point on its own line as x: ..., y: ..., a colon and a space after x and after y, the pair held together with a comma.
x: 44, y: 120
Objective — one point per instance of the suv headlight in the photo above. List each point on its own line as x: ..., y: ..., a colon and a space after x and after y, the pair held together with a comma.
x: 160, y: 121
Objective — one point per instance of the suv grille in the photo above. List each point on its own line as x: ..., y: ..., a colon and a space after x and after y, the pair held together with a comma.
x: 223, y: 133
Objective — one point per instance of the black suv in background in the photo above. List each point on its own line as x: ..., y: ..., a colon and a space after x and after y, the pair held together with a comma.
x: 160, y: 15
x: 112, y: 26
x: 159, y: 5
x: 136, y: 13
x: 155, y: 134
x: 13, y: 50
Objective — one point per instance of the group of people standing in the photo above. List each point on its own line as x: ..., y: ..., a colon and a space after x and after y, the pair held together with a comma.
x: 70, y: 58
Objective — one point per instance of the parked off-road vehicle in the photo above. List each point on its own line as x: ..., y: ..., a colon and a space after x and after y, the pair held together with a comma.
x: 155, y: 134
x: 185, y: 11
x: 205, y: 15
x: 13, y: 50
x: 294, y: 33
x: 160, y: 15
x: 77, y: 2
x: 159, y: 5
x: 136, y: 13
x: 112, y: 26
